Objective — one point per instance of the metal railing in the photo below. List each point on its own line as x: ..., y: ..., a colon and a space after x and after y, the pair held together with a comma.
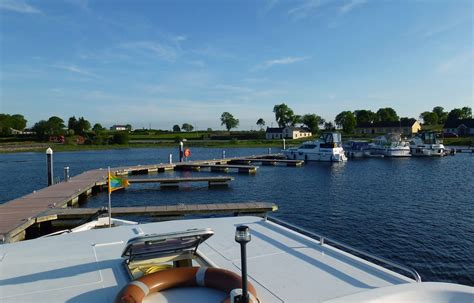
x: 347, y: 248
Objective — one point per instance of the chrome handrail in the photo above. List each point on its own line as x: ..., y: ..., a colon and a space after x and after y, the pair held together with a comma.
x: 323, y: 239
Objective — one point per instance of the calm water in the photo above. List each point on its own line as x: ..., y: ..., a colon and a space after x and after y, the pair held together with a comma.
x: 416, y: 211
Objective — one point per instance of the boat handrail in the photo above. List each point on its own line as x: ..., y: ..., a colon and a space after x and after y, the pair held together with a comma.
x: 346, y: 247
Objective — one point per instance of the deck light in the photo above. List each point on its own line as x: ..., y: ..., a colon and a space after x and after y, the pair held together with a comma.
x: 242, y: 236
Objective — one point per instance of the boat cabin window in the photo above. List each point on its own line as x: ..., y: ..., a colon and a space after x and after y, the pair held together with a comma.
x: 308, y: 146
x: 150, y: 253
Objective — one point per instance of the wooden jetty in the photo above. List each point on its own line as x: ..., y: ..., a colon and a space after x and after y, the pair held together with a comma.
x: 20, y: 214
x: 266, y: 161
x: 66, y: 214
x: 174, y: 182
x: 248, y: 169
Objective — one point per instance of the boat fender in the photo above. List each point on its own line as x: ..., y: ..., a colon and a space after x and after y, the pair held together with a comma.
x: 216, y: 278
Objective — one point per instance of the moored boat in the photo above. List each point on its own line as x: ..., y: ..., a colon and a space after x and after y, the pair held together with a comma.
x: 427, y: 144
x: 327, y: 148
x: 390, y: 145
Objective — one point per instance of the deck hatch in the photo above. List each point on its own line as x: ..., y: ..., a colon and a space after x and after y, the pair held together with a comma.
x: 156, y: 245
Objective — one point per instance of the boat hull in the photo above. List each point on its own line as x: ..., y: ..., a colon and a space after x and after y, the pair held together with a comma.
x: 428, y: 151
x: 329, y: 155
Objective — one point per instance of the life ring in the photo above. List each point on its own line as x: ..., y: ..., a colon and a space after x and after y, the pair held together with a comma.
x: 187, y: 152
x: 217, y: 278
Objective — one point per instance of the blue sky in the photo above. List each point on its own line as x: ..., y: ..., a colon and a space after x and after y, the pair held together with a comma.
x: 160, y: 63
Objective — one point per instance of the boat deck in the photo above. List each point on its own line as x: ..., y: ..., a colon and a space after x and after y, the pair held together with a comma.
x: 284, y: 266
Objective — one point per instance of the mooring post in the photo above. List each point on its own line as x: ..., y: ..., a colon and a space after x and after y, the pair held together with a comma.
x: 269, y: 150
x: 181, y: 151
x: 171, y: 158
x: 284, y: 144
x: 223, y: 154
x: 49, y: 160
x: 66, y: 173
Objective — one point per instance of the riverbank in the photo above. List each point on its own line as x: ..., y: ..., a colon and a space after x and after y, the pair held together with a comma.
x: 35, y: 147
x: 31, y: 146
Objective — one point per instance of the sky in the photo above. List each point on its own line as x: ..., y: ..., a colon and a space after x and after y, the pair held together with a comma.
x: 159, y: 63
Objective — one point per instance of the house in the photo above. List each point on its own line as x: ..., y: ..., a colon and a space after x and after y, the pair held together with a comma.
x: 274, y: 133
x: 118, y: 127
x: 405, y: 126
x: 463, y: 127
x: 289, y: 132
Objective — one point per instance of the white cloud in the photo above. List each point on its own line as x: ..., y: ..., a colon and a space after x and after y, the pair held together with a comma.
x: 18, y: 6
x: 281, y: 61
x: 344, y: 9
x: 154, y: 49
x: 460, y: 60
x: 305, y: 10
x: 76, y: 70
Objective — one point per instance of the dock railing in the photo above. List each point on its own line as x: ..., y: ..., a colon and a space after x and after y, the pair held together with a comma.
x: 347, y: 248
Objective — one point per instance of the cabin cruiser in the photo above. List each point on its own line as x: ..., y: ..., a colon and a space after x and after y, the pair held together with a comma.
x: 227, y: 259
x: 327, y: 148
x: 356, y: 148
x: 427, y: 144
x: 390, y: 145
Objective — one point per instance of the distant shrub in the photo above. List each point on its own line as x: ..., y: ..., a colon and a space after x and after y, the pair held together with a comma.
x: 120, y: 138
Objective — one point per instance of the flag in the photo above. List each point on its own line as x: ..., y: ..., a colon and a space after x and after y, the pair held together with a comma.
x: 116, y: 183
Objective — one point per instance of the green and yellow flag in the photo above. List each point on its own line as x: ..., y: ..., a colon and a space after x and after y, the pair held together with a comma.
x: 116, y: 183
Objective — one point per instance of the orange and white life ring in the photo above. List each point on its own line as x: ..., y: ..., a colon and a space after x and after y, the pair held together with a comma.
x: 216, y: 278
x: 187, y: 153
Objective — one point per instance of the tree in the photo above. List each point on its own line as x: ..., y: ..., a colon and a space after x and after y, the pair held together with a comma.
x: 346, y: 120
x: 429, y: 118
x: 18, y: 122
x: 11, y: 121
x: 466, y: 113
x: 284, y: 115
x: 176, y: 128
x: 329, y: 126
x: 82, y: 126
x: 296, y: 120
x: 261, y: 123
x: 56, y: 124
x: 229, y: 121
x: 387, y: 114
x: 128, y: 127
x: 72, y: 122
x: 365, y: 116
x: 312, y: 121
x: 120, y: 138
x: 97, y: 128
x: 442, y: 115
x: 187, y: 127
x: 41, y: 129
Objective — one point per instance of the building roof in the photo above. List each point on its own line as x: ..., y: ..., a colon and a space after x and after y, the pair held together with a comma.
x: 402, y: 123
x: 456, y: 123
x: 274, y: 130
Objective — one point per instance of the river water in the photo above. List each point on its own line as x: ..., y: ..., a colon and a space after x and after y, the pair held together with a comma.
x: 416, y: 211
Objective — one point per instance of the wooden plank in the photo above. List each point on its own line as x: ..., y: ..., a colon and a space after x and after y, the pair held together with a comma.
x: 181, y: 180
x: 164, y: 210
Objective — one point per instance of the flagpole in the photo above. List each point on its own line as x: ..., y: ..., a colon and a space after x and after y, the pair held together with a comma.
x: 110, y: 203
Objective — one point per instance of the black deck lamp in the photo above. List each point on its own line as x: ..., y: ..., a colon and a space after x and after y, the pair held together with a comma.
x: 242, y: 236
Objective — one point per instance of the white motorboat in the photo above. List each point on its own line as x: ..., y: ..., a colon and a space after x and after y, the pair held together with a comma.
x: 166, y: 261
x: 327, y: 148
x: 427, y: 145
x: 390, y: 145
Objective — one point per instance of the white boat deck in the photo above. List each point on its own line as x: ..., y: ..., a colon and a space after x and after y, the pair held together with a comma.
x: 284, y: 266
